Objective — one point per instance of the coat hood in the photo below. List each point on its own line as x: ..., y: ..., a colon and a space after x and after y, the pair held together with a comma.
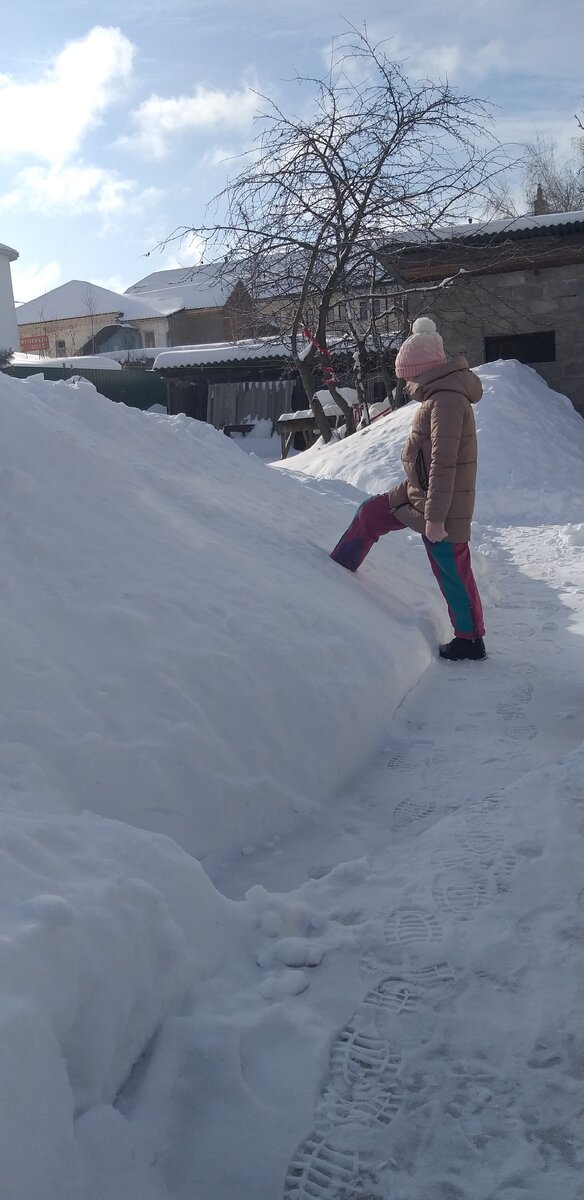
x: 453, y: 376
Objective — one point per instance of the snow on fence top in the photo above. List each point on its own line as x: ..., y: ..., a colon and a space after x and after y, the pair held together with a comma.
x: 94, y: 362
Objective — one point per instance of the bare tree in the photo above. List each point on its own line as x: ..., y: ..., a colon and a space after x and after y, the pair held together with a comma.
x: 318, y: 193
x: 548, y: 182
x: 91, y: 309
x: 561, y: 181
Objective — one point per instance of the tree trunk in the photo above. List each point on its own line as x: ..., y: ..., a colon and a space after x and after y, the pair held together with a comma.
x: 319, y: 414
x: 401, y: 396
x: 388, y: 381
x: 345, y: 408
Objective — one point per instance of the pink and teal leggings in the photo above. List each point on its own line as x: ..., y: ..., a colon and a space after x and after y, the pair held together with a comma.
x: 450, y: 562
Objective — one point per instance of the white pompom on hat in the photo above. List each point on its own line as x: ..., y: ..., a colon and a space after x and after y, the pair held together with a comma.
x: 421, y: 352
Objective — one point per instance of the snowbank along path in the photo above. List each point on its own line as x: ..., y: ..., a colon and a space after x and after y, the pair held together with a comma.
x: 384, y: 1003
x: 436, y: 917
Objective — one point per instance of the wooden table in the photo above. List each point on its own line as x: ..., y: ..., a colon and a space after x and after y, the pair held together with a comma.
x: 243, y: 429
x: 289, y: 425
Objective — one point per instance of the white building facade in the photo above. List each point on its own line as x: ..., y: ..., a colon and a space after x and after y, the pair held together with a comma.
x: 8, y: 323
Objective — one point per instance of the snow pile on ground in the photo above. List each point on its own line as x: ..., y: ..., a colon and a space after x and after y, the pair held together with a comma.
x: 164, y: 595
x: 180, y: 654
x: 181, y: 657
x: 104, y: 931
x: 531, y: 442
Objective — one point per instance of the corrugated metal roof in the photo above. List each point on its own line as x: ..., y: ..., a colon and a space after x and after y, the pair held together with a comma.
x: 220, y: 352
x: 253, y: 349
x: 506, y: 227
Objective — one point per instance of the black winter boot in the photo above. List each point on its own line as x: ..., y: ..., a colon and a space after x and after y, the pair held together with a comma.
x: 460, y: 648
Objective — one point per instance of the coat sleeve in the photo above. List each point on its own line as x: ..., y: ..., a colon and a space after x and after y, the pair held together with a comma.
x: 446, y: 421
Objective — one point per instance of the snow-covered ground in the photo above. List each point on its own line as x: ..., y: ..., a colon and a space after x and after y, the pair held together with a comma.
x: 368, y: 982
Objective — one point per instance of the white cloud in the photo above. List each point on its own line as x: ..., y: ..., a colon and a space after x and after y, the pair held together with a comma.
x: 159, y: 119
x: 218, y: 156
x: 190, y: 253
x: 76, y: 189
x: 47, y: 119
x: 454, y: 60
x: 113, y: 283
x: 33, y: 280
x: 180, y: 251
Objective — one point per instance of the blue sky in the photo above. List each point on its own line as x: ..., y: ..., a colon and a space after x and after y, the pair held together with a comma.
x: 115, y: 119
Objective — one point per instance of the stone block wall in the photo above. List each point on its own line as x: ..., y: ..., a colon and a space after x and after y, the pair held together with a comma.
x: 473, y: 308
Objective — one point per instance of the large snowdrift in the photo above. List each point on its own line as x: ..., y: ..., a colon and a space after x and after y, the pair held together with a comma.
x: 180, y: 654
x: 179, y: 650
x: 531, y: 444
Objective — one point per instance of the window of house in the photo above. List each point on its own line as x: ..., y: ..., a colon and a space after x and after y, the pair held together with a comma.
x: 60, y: 348
x: 363, y: 310
x: 148, y: 339
x: 526, y: 347
x: 376, y: 308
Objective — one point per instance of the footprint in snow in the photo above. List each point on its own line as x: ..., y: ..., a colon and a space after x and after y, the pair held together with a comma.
x: 409, y: 926
x: 408, y: 757
x: 520, y: 731
x: 362, y: 1062
x: 463, y: 893
x: 412, y: 809
x: 403, y: 929
x: 404, y: 992
x: 320, y: 1171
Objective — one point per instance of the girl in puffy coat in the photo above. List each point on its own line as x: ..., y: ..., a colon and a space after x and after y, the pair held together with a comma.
x: 436, y: 499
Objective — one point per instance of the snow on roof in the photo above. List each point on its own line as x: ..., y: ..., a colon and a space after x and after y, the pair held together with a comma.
x: 512, y: 226
x: 138, y: 354
x: 94, y: 362
x: 185, y: 287
x: 251, y: 348
x: 220, y: 352
x: 8, y: 252
x: 79, y: 298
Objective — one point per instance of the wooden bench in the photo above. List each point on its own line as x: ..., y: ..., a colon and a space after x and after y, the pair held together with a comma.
x: 243, y: 429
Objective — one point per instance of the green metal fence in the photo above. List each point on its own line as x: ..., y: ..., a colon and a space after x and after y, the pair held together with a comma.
x: 134, y: 387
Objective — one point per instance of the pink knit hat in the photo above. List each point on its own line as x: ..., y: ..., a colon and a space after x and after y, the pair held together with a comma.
x: 421, y: 352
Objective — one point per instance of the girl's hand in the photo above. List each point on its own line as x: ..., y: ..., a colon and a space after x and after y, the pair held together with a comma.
x: 435, y: 531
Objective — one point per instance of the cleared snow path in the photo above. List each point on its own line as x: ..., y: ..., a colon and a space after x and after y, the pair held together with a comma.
x: 418, y: 949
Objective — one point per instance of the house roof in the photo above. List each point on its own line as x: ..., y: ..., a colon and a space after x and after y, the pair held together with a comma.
x: 79, y: 298
x: 8, y: 252
x: 502, y: 229
x: 247, y: 350
x: 220, y: 352
x: 185, y: 287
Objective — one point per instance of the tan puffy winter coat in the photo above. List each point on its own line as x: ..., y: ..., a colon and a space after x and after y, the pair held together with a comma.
x: 440, y: 455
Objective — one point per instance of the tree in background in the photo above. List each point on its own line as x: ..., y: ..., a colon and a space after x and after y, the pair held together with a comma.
x: 549, y: 183
x: 372, y: 153
x: 561, y: 181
